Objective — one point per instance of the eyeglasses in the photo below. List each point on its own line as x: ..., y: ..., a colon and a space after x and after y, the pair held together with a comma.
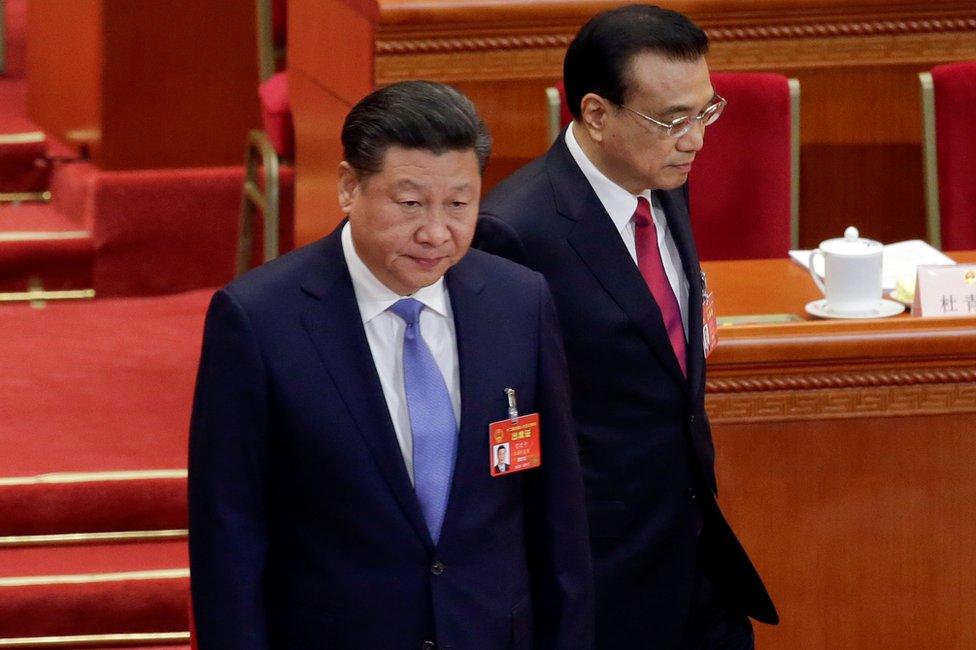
x: 682, y: 125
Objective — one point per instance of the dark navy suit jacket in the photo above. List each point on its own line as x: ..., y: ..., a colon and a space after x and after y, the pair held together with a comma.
x: 645, y: 442
x: 305, y: 529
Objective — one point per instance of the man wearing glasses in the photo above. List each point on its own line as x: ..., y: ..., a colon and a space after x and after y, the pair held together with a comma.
x: 604, y: 216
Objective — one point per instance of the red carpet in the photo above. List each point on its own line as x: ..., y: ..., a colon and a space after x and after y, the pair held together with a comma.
x: 34, y: 217
x: 94, y: 589
x: 162, y: 231
x: 96, y: 386
x: 23, y: 164
x: 152, y: 232
x: 147, y: 501
x: 38, y: 243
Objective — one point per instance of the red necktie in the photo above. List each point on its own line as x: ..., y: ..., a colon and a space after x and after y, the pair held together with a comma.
x: 652, y: 268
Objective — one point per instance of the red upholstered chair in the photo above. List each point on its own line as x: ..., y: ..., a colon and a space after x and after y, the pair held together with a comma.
x: 268, y: 148
x: 948, y: 97
x: 744, y: 185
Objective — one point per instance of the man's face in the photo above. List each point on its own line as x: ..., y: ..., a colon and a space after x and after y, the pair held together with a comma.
x: 502, y: 455
x: 637, y: 154
x: 415, y: 218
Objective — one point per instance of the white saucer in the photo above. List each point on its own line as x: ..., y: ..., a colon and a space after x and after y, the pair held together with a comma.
x: 884, y: 309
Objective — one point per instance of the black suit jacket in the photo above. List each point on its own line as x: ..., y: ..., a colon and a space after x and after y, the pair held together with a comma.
x: 305, y: 529
x: 644, y: 438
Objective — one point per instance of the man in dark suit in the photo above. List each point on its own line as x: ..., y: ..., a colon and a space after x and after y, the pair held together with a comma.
x: 604, y: 216
x: 341, y: 493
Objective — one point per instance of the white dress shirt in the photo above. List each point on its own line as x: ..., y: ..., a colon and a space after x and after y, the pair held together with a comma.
x: 621, y: 205
x: 384, y: 332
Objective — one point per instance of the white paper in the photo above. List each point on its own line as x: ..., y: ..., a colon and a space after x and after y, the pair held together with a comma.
x: 903, y: 258
x: 803, y: 259
x: 898, y: 259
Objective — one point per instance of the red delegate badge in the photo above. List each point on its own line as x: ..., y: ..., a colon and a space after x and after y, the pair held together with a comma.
x: 709, y: 321
x: 515, y: 443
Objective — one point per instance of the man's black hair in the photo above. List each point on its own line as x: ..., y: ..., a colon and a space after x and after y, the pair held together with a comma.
x: 599, y: 58
x: 413, y: 115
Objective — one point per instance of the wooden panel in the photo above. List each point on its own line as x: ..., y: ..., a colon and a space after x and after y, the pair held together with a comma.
x: 332, y: 43
x: 846, y: 452
x: 149, y: 84
x: 330, y: 64
x: 180, y: 83
x: 317, y: 127
x: 862, y: 527
x: 61, y: 98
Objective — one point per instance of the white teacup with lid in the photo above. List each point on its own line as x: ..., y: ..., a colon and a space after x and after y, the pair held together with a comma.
x: 852, y: 273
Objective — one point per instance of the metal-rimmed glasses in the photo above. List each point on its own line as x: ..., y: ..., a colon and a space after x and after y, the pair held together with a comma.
x: 679, y: 126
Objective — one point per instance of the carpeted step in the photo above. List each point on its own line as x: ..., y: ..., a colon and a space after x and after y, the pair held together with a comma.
x: 67, y: 503
x: 168, y: 230
x: 40, y: 245
x: 87, y: 589
x: 23, y: 162
x: 95, y: 403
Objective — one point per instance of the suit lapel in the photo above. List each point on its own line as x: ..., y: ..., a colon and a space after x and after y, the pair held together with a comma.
x: 334, y: 324
x: 465, y: 285
x: 596, y: 240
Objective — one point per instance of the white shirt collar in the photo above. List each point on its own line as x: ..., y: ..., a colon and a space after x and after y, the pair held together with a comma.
x: 374, y: 297
x: 619, y: 203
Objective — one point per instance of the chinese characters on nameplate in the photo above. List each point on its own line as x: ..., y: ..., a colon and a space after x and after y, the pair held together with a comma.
x: 945, y: 291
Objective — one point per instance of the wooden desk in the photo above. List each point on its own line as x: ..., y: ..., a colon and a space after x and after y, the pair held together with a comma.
x: 846, y: 453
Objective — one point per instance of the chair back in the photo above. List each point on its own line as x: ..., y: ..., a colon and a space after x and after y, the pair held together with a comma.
x: 948, y: 95
x: 744, y: 185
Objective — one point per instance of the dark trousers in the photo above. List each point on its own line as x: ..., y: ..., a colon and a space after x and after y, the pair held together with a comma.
x: 712, y: 624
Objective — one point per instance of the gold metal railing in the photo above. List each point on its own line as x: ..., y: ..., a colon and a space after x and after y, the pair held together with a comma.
x: 259, y: 153
x: 933, y: 223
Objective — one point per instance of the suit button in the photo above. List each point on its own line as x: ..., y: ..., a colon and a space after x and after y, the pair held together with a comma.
x: 436, y: 568
x: 692, y: 495
x: 428, y: 645
x: 691, y: 420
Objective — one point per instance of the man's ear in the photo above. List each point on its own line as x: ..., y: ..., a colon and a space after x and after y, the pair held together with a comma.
x: 348, y: 186
x: 594, y: 111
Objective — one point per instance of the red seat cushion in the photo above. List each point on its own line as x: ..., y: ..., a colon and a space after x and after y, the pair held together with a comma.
x: 276, y: 114
x: 740, y: 182
x: 955, y: 96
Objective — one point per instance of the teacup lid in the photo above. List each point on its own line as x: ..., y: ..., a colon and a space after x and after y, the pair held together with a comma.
x: 851, y: 244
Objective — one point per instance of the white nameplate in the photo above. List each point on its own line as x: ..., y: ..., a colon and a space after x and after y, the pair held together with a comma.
x: 945, y: 291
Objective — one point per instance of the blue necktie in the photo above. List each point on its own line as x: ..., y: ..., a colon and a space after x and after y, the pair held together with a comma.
x: 432, y: 421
